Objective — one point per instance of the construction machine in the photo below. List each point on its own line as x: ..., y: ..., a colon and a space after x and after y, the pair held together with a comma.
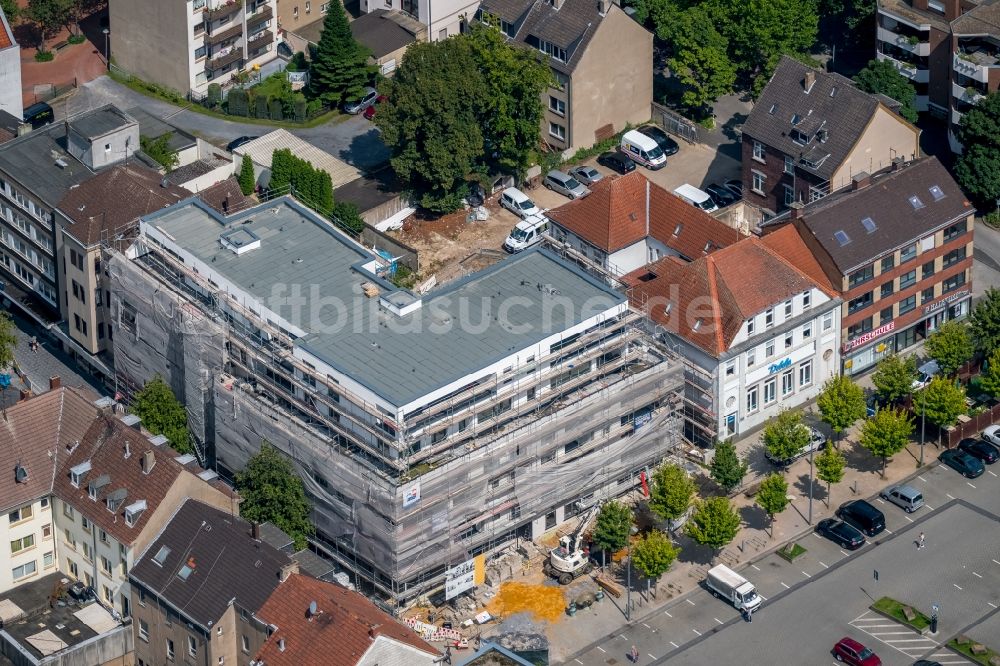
x: 571, y: 559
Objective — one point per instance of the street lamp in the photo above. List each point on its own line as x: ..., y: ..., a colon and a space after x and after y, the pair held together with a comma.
x: 107, y: 58
x: 812, y: 450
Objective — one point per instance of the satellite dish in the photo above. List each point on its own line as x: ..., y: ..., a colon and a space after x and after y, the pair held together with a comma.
x: 312, y: 608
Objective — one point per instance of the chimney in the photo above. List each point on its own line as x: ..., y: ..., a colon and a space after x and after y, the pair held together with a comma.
x: 795, y: 210
x: 287, y: 570
x: 602, y: 7
x: 556, y: 3
x: 225, y: 205
x: 255, y: 531
x: 128, y: 451
x: 148, y: 461
x: 897, y: 163
x: 860, y: 181
x: 54, y: 382
x: 809, y: 80
x: 281, y: 645
x: 24, y: 395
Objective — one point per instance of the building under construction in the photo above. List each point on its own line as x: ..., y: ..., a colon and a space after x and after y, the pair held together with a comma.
x: 427, y: 428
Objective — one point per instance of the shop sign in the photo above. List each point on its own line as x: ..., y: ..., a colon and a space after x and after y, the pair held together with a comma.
x: 948, y: 300
x: 780, y: 365
x: 869, y: 336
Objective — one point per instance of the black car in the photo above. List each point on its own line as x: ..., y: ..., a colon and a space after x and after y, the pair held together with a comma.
x: 720, y: 195
x: 841, y: 533
x: 617, y: 161
x: 978, y: 448
x: 734, y: 185
x: 963, y: 463
x: 863, y: 516
x: 662, y: 139
x: 926, y: 662
x: 236, y: 143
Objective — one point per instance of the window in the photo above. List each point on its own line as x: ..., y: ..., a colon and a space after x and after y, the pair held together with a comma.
x: 18, y: 515
x: 86, y: 523
x: 859, y: 303
x: 752, y: 399
x: 908, y: 280
x: 953, y: 283
x: 788, y: 309
x: 758, y: 151
x: 192, y: 646
x: 103, y: 535
x: 144, y: 630
x: 308, y: 7
x: 750, y: 326
x: 806, y: 300
x: 953, y: 257
x: 789, y: 339
x: 556, y: 52
x: 789, y: 164
x: 199, y: 52
x: 827, y: 321
x: 751, y: 358
x: 74, y: 570
x: 443, y: 33
x: 955, y: 230
x: 757, y: 182
x: 25, y: 570
x: 769, y: 349
x: 245, y: 644
x: 558, y: 131
x: 862, y: 326
x: 87, y: 552
x: 769, y: 318
x: 557, y: 105
x: 885, y: 315
x: 805, y: 374
x: 47, y: 531
x: 787, y: 382
x: 860, y: 276
x: 907, y: 304
x: 927, y: 295
x: 731, y: 369
x: 44, y: 503
x: 106, y: 565
x: 170, y: 649
x: 807, y: 331
x: 908, y: 253
x: 70, y: 541
x: 927, y: 269
x: 295, y: 12
x: 769, y: 391
x: 106, y: 593
x: 888, y: 263
x: 439, y: 436
x: 789, y: 194
x: 24, y: 543
x: 48, y: 559
x: 887, y: 289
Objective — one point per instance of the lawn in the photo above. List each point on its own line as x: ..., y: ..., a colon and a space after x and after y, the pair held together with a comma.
x: 894, y: 609
x: 791, y: 552
x: 966, y: 649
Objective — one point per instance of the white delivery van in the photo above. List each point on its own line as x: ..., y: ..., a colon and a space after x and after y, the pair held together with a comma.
x: 734, y: 588
x: 643, y: 150
x: 696, y: 197
x: 518, y: 203
x: 528, y: 232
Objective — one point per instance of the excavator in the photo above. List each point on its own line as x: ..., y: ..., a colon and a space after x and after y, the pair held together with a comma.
x: 571, y: 559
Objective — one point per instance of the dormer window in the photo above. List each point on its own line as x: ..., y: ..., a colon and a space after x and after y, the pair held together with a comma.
x: 97, y: 485
x: 133, y: 512
x: 799, y: 137
x: 77, y: 473
x: 556, y: 52
x: 115, y: 499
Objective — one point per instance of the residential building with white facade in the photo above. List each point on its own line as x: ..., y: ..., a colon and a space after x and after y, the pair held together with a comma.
x: 11, y: 100
x: 759, y: 335
x: 443, y: 19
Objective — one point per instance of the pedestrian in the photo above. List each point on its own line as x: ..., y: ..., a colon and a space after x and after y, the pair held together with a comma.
x: 33, y: 345
x: 920, y: 541
x: 633, y: 655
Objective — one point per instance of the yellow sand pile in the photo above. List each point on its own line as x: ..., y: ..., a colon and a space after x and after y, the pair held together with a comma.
x: 545, y: 602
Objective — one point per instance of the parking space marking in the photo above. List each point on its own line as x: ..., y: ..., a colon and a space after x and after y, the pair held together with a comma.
x: 622, y: 636
x: 995, y: 562
x: 921, y: 478
x: 806, y: 575
x: 647, y: 626
x: 888, y: 531
x: 674, y: 644
x: 911, y: 645
x: 718, y: 620
x: 948, y: 495
x: 824, y: 566
x: 783, y: 585
x: 756, y: 568
x: 762, y: 597
x: 991, y: 474
x: 689, y: 601
x: 976, y: 575
x: 651, y: 656
x: 600, y: 648
x: 667, y: 613
x: 880, y: 500
x: 578, y: 661
x: 908, y: 518
x: 844, y: 553
x: 929, y: 507
x: 992, y: 605
x: 956, y: 585
x: 817, y: 536
x: 970, y: 485
x: 696, y: 631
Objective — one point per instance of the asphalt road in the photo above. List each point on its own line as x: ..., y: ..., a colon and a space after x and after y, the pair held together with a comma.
x: 354, y: 140
x: 824, y: 595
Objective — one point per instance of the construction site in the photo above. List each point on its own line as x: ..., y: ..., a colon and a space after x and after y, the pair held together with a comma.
x: 428, y: 429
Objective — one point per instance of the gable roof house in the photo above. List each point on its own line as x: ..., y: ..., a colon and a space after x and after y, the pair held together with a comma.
x: 759, y: 334
x: 627, y: 221
x: 811, y: 132
x: 601, y: 60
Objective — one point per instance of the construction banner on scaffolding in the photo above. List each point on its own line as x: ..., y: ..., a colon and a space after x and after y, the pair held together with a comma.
x: 459, y: 579
x: 411, y: 494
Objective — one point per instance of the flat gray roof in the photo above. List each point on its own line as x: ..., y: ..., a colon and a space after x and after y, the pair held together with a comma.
x: 399, y: 357
x: 152, y: 127
x: 100, y: 122
x: 32, y: 159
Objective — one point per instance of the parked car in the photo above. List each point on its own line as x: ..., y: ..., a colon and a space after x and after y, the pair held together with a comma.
x: 662, y: 139
x: 368, y: 98
x: 475, y: 196
x: 518, y: 203
x: 565, y: 184
x: 863, y: 516
x: 840, y: 533
x: 369, y: 113
x: 734, y: 185
x: 992, y: 434
x: 617, y: 161
x: 38, y: 115
x: 720, y: 195
x: 817, y: 441
x: 873, y: 403
x: 925, y: 373
x: 587, y: 175
x: 236, y: 143
x: 963, y: 463
x: 926, y: 662
x: 852, y: 652
x: 980, y: 448
x: 908, y: 498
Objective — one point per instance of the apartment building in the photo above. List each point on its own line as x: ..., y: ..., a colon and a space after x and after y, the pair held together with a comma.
x: 601, y: 60
x: 897, y: 246
x: 197, y: 588
x: 948, y: 49
x: 294, y: 14
x: 187, y: 45
x: 33, y: 437
x: 427, y: 428
x: 811, y: 132
x: 10, y: 71
x: 627, y: 222
x: 440, y: 19
x: 751, y: 352
x: 115, y: 490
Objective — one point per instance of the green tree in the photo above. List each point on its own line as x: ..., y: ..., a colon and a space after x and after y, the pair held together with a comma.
x: 8, y: 341
x: 894, y: 377
x: 162, y: 414
x: 941, y: 402
x: 273, y: 492
x: 159, y: 151
x: 340, y: 69
x: 10, y: 10
x: 727, y: 469
x: 613, y: 526
x: 246, y: 178
x: 989, y: 380
x: 886, y: 434
x: 714, y: 522
x: 881, y: 76
x: 785, y: 435
x: 830, y: 466
x: 653, y: 554
x: 978, y: 168
x: 238, y: 102
x: 49, y: 15
x: 347, y: 215
x: 772, y: 496
x: 841, y: 403
x: 699, y: 54
x: 984, y: 324
x: 671, y: 492
x: 950, y: 346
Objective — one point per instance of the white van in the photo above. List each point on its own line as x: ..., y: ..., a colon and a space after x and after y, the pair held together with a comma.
x: 518, y: 203
x: 528, y: 232
x: 643, y: 150
x: 696, y: 197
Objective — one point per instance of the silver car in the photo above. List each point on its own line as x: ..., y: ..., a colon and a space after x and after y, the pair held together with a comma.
x: 565, y: 184
x: 587, y: 175
x: 906, y: 497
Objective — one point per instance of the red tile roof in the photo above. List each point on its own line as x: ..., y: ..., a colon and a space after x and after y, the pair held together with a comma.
x: 6, y: 36
x: 788, y: 244
x: 344, y: 629
x: 707, y: 300
x: 35, y: 434
x: 624, y: 210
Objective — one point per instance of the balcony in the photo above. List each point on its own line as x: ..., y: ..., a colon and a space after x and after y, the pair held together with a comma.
x: 906, y: 69
x: 264, y: 14
x: 911, y: 43
x: 224, y: 35
x: 974, y: 65
x: 260, y: 39
x: 969, y: 94
x: 222, y: 11
x: 233, y: 55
